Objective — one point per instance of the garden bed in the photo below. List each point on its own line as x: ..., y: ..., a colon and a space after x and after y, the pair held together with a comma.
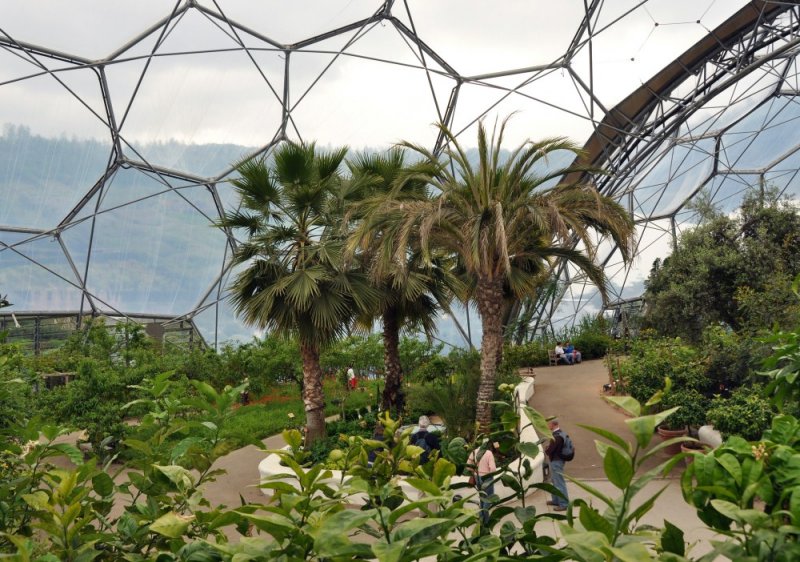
x: 271, y: 465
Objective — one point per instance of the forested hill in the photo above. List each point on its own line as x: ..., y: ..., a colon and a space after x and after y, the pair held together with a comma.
x: 23, y: 156
x: 28, y: 159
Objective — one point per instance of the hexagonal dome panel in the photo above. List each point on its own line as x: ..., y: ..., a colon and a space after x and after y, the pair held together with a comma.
x: 122, y: 126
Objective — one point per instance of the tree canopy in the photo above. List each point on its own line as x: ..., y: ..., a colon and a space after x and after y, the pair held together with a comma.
x: 735, y: 270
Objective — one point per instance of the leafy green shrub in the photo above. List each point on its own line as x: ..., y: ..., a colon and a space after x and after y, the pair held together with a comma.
x: 436, y: 368
x: 414, y: 352
x: 364, y: 354
x: 92, y: 402
x: 592, y: 345
x: 745, y: 413
x: 16, y: 395
x: 419, y: 402
x: 641, y: 383
x: 203, y: 365
x: 528, y: 354
x: 264, y: 363
x: 651, y: 361
x: 590, y: 336
x: 730, y: 358
x: 358, y: 424
x: 692, y: 408
x: 455, y: 401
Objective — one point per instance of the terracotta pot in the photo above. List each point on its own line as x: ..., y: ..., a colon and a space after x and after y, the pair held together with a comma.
x: 693, y: 447
x: 665, y: 434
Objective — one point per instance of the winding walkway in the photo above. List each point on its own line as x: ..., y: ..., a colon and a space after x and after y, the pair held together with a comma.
x: 574, y: 393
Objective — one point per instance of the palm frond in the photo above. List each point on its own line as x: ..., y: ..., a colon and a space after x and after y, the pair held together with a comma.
x: 255, y: 185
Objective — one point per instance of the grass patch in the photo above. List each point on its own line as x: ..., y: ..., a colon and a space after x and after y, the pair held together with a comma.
x: 269, y: 414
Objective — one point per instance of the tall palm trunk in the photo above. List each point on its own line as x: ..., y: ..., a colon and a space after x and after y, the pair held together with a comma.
x: 489, y: 295
x: 392, y: 399
x: 313, y: 397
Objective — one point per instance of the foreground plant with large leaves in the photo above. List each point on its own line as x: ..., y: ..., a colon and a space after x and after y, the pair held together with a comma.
x: 750, y: 492
x: 614, y: 533
x: 150, y: 508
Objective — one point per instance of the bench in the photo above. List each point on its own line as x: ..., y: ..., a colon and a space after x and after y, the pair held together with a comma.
x: 551, y: 356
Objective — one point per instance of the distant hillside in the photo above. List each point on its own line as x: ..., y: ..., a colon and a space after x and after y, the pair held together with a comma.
x: 42, y: 179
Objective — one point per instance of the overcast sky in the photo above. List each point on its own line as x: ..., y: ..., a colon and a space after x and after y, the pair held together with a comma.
x: 222, y: 97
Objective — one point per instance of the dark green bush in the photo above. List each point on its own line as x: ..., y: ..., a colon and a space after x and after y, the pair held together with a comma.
x: 745, y: 413
x: 15, y: 390
x: 692, y: 411
x: 455, y: 401
x: 357, y: 423
x: 592, y: 345
x: 730, y: 358
x: 419, y: 402
x: 641, y: 383
x: 651, y: 361
x: 92, y: 402
x: 437, y: 368
x: 528, y: 354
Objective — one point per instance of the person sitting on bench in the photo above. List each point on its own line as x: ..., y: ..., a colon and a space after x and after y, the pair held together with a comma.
x: 561, y: 356
x: 572, y: 353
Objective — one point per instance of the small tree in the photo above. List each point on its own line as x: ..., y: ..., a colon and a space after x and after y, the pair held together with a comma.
x: 295, y: 281
x: 735, y: 270
x: 413, y: 290
x: 506, y: 221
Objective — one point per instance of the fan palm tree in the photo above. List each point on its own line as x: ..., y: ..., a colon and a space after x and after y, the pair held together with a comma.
x: 412, y: 293
x: 296, y: 281
x: 507, y: 221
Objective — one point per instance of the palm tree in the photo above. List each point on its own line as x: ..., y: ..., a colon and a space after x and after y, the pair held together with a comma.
x: 412, y: 293
x: 296, y: 281
x: 507, y: 221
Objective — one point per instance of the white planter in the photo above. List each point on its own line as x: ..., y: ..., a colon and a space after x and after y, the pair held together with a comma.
x: 710, y: 436
x: 271, y: 464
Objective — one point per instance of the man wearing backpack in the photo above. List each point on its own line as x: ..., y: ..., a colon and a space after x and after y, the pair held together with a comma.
x: 558, y: 451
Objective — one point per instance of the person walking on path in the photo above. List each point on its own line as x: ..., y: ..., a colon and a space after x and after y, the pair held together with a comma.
x: 482, y: 462
x: 553, y: 453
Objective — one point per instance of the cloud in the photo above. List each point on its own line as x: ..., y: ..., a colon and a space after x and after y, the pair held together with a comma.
x: 221, y: 96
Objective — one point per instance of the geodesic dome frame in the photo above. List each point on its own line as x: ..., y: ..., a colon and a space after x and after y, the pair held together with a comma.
x: 721, y: 119
x: 124, y: 229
